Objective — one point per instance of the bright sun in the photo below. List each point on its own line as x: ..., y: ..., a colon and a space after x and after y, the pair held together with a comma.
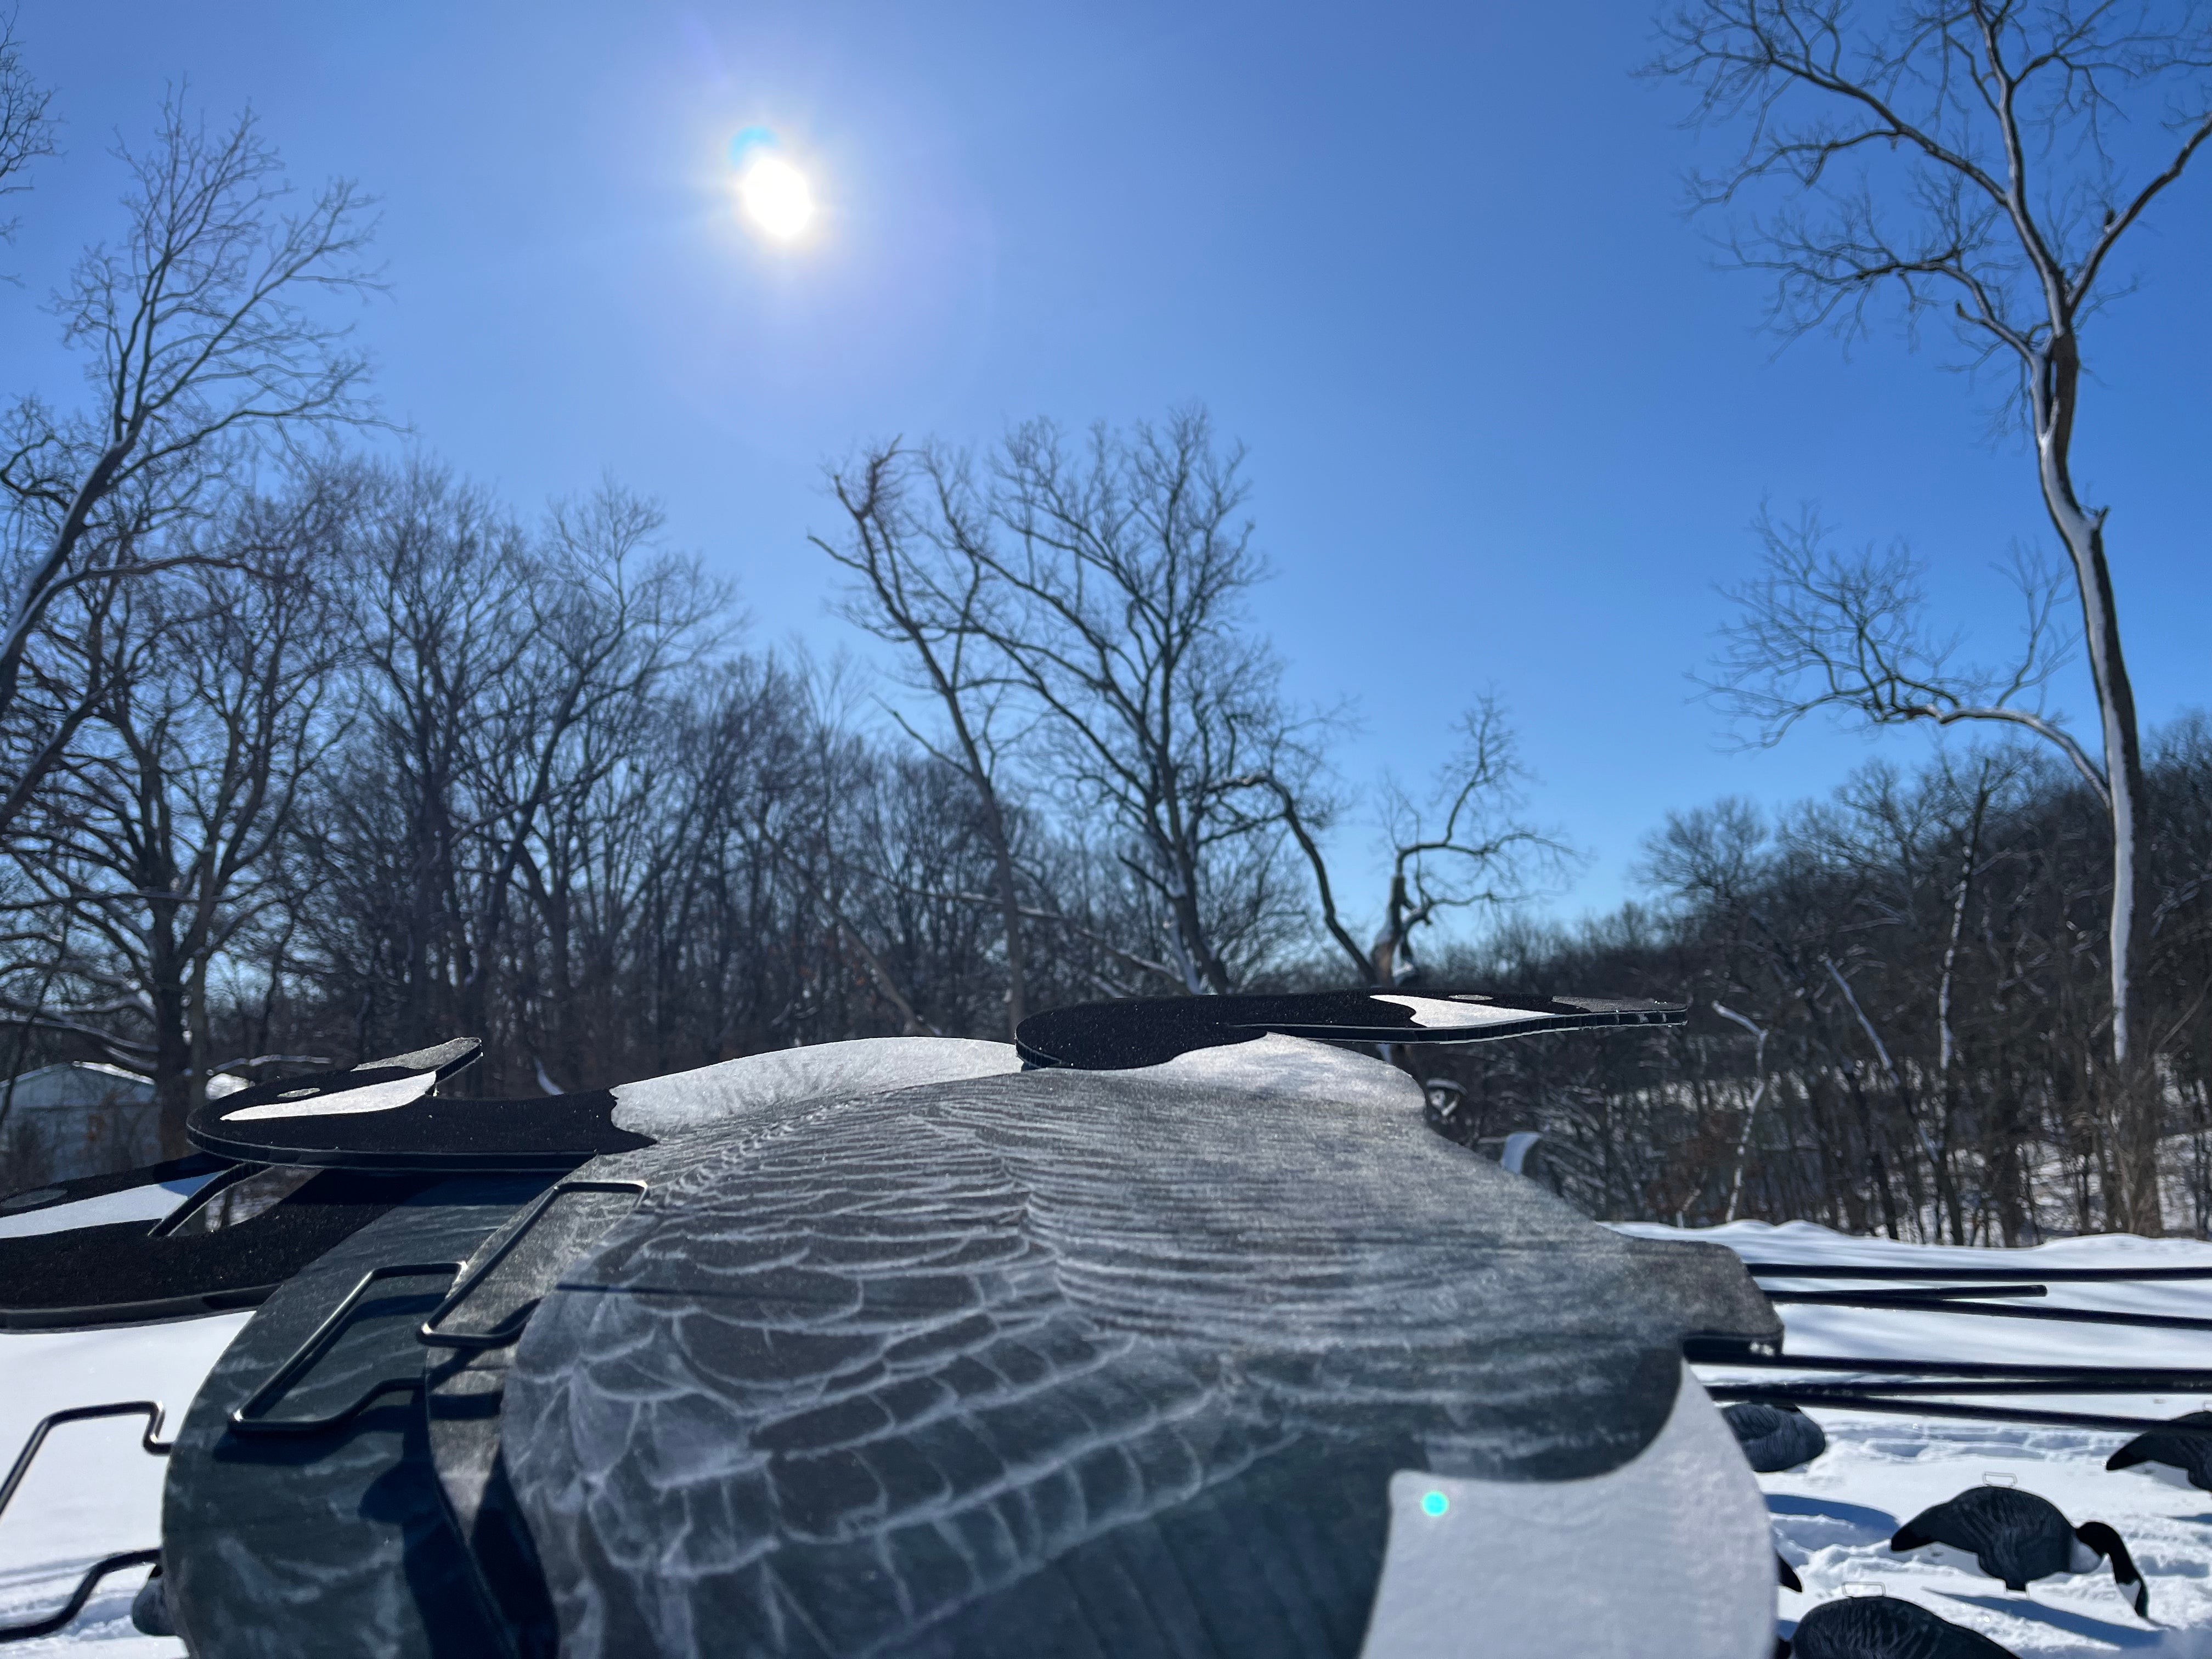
x: 776, y: 195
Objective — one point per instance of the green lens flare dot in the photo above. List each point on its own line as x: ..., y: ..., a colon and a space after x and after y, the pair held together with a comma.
x: 1434, y: 1503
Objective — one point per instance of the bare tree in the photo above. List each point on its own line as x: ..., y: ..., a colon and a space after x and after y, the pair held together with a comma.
x: 1471, y: 846
x: 1120, y: 613
x: 436, y: 577
x: 160, y: 835
x: 27, y: 125
x: 1971, y: 159
x: 922, y: 583
x: 610, y: 616
x: 201, y: 350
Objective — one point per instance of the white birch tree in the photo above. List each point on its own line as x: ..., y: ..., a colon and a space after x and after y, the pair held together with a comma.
x: 1976, y: 162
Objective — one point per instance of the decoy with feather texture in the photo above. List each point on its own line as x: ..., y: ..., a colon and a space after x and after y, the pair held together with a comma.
x: 1883, y: 1628
x: 2017, y: 1537
x: 1774, y: 1437
x: 2179, y: 1460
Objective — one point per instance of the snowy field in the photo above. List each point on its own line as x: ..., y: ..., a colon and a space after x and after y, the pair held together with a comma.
x: 1834, y: 1519
x: 93, y: 1490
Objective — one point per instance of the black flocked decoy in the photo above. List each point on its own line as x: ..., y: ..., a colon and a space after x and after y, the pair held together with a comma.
x: 2180, y: 1460
x: 1883, y: 1628
x: 1775, y: 1437
x: 2018, y: 1537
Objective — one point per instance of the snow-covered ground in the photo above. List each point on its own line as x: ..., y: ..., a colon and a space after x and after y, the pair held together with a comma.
x: 94, y: 1491
x: 1834, y: 1519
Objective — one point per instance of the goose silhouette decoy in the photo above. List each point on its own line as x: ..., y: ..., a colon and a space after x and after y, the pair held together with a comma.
x: 1774, y: 1437
x: 2179, y: 1460
x: 1228, y: 1353
x: 1883, y: 1628
x: 2017, y: 1537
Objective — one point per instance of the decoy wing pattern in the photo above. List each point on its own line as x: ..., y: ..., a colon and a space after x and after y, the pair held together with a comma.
x: 1068, y: 1362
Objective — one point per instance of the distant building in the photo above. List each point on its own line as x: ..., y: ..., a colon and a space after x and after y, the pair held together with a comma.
x: 82, y: 1118
x: 78, y: 1118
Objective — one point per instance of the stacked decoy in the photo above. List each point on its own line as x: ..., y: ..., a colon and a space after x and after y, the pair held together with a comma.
x: 1171, y: 1330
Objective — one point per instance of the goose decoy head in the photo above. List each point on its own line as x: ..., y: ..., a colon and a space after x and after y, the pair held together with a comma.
x: 2103, y: 1543
x: 2178, y: 1458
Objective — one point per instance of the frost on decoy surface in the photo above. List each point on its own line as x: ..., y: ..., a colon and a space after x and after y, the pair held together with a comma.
x: 1833, y: 1518
x: 1076, y: 1362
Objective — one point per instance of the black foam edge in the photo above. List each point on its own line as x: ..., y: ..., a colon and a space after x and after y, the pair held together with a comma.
x: 1432, y: 1036
x: 79, y: 1187
x: 1180, y: 1025
x: 158, y: 1310
x: 439, y: 1063
x: 400, y: 1161
x: 436, y: 1135
x: 241, y: 1266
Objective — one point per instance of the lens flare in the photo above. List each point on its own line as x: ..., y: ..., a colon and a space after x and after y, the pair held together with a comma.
x: 776, y: 195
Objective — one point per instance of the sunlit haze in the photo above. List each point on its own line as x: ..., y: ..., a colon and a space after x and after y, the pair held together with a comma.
x: 776, y: 197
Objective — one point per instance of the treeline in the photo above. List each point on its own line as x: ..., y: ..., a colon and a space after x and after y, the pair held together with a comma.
x: 305, y: 759
x: 367, y: 761
x: 1901, y: 1010
x: 375, y: 762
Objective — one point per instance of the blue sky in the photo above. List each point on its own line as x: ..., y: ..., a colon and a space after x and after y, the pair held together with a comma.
x: 1508, y: 424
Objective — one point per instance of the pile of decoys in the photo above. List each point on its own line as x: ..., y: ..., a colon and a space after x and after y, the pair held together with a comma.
x: 1171, y: 1329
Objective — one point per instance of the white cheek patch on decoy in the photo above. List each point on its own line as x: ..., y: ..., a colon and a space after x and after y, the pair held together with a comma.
x: 375, y: 1097
x: 1670, y: 1556
x: 1433, y: 1015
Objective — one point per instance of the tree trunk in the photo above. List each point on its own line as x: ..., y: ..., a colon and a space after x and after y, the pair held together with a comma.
x: 172, y: 1057
x: 1010, y: 913
x: 2131, y: 1093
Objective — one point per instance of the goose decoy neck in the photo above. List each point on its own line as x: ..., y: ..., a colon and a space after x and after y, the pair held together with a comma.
x: 2106, y: 1541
